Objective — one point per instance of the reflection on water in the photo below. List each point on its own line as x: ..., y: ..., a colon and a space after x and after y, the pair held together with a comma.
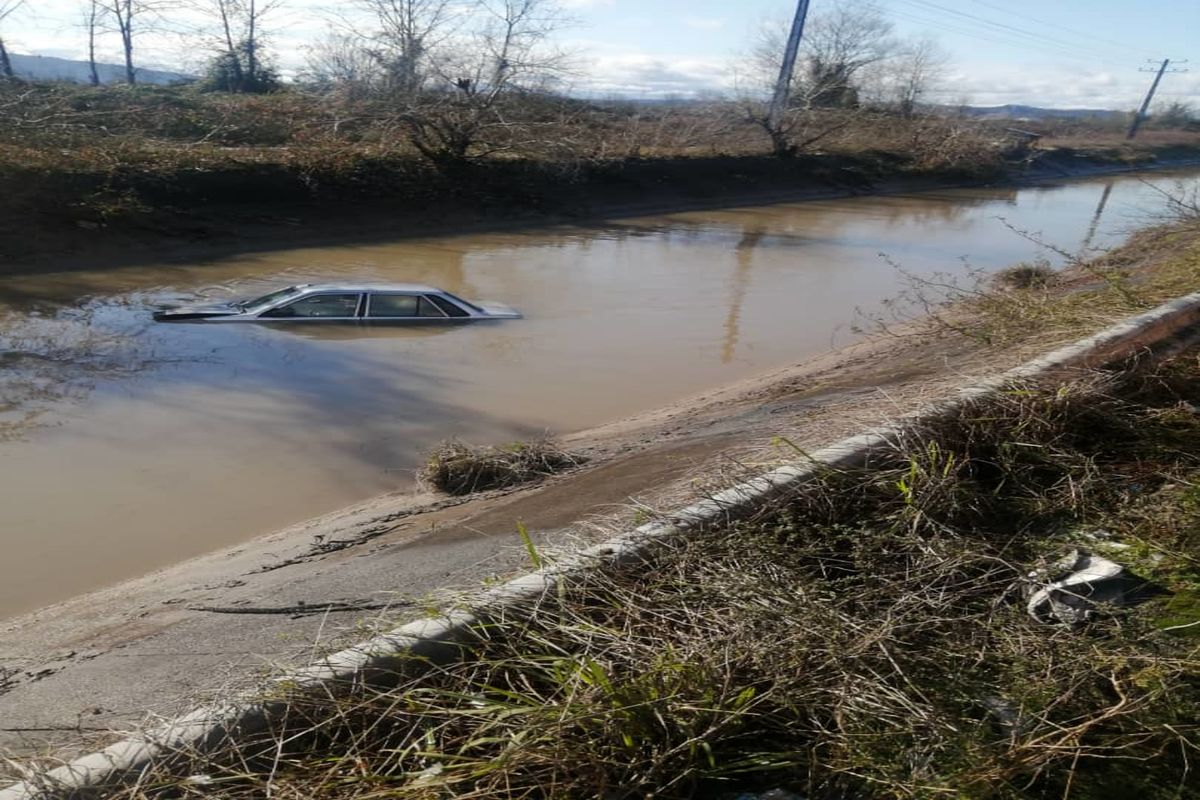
x: 46, y: 359
x: 1085, y: 247
x: 345, y: 333
x: 126, y: 445
x: 752, y: 236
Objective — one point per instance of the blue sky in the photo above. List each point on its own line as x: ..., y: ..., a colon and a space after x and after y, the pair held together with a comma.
x: 1066, y: 53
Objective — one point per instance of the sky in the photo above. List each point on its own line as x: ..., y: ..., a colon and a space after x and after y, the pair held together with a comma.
x: 1056, y: 53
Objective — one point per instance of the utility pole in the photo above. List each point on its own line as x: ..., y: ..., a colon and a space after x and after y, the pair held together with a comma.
x: 1141, y: 114
x: 780, y: 98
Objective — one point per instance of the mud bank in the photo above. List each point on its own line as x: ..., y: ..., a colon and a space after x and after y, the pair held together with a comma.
x: 189, y: 227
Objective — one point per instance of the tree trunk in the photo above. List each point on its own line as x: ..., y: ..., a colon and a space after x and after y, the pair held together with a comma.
x: 93, y: 73
x: 124, y: 12
x: 231, y: 47
x: 782, y: 145
x: 252, y: 47
x: 6, y: 69
x: 130, y: 72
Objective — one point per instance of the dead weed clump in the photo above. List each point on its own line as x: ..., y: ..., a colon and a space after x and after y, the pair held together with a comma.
x: 1025, y: 276
x: 458, y: 468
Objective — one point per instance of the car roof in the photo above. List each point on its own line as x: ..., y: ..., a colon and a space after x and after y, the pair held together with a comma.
x: 368, y: 287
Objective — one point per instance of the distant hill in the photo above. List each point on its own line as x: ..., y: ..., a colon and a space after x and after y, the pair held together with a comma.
x: 49, y: 68
x: 1013, y: 111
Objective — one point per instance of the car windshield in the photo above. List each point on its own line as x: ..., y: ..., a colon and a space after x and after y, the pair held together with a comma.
x: 268, y: 298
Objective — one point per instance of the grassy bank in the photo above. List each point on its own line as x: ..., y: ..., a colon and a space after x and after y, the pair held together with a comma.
x: 80, y: 167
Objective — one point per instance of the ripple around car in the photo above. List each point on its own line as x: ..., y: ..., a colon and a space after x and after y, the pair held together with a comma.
x: 329, y: 302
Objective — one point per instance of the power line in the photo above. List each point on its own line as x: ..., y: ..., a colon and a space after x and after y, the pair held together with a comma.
x: 994, y: 28
x: 1002, y: 27
x: 1009, y: 42
x: 1091, y: 37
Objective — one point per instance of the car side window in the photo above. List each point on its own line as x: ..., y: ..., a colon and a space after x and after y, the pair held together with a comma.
x: 393, y: 305
x: 451, y: 309
x: 428, y: 309
x: 317, y: 306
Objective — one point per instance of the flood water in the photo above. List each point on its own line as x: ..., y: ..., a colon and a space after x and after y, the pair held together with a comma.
x: 127, y: 445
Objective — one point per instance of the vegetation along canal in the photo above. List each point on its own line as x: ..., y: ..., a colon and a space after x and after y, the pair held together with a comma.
x: 126, y: 445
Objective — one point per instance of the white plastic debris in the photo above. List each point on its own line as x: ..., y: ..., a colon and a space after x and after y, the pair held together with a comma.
x: 1090, y: 580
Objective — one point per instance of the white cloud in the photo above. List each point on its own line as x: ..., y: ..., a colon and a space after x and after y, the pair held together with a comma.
x: 644, y: 75
x: 1061, y: 87
x: 704, y: 23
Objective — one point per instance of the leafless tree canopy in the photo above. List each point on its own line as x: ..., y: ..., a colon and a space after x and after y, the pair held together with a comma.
x: 849, y: 59
x: 514, y: 44
x: 340, y: 61
x: 836, y: 47
x: 408, y: 39
x: 236, y: 29
x: 916, y: 68
x: 447, y: 68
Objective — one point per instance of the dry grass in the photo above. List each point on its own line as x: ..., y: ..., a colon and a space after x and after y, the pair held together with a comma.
x: 458, y: 468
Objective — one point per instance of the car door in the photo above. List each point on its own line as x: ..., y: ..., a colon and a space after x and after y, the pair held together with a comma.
x: 323, y: 307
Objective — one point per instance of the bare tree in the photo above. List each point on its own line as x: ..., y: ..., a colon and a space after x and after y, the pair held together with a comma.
x: 93, y: 16
x: 343, y: 61
x: 237, y: 28
x: 913, y: 72
x: 130, y: 18
x: 7, y: 8
x: 836, y: 47
x: 408, y: 36
x: 508, y: 55
x: 514, y: 43
x: 126, y: 15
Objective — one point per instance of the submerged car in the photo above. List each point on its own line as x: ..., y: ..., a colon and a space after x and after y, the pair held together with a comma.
x: 331, y: 302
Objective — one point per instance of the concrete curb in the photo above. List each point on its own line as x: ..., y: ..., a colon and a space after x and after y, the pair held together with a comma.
x: 410, y: 646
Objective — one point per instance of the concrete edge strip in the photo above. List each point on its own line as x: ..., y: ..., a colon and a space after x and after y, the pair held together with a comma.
x: 201, y: 729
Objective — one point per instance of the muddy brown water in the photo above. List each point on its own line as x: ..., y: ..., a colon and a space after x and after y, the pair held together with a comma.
x: 127, y: 445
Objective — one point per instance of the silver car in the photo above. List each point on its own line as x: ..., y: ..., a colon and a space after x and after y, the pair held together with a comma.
x: 334, y: 302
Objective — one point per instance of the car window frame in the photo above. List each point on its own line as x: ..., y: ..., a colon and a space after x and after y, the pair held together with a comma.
x: 366, y: 311
x: 468, y: 311
x: 358, y: 307
x: 472, y: 309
